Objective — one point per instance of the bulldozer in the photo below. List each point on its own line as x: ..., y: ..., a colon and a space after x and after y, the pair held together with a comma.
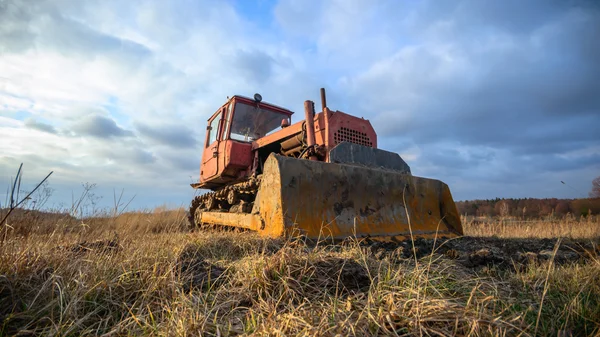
x: 322, y: 177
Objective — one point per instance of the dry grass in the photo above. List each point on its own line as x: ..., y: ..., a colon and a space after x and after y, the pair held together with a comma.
x: 143, y: 274
x: 23, y: 223
x: 567, y: 227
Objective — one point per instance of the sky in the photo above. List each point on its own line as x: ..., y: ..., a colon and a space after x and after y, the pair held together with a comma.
x: 495, y: 98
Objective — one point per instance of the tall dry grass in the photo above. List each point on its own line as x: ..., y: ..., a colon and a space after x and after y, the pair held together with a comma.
x: 23, y: 223
x: 145, y: 274
x: 567, y: 227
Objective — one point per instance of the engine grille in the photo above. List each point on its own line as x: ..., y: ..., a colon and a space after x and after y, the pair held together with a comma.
x: 352, y: 136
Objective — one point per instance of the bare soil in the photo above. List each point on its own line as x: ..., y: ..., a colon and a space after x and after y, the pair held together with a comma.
x: 475, y: 252
x: 344, y: 275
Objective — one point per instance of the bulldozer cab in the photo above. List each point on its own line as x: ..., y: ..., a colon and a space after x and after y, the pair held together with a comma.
x: 253, y: 120
x: 233, y: 128
x: 245, y: 120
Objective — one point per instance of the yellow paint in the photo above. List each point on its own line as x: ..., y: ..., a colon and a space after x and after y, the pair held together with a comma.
x: 324, y: 200
x: 319, y: 199
x: 247, y: 221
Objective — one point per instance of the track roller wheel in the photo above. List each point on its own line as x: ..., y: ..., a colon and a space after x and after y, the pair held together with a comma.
x: 211, y: 203
x: 233, y: 197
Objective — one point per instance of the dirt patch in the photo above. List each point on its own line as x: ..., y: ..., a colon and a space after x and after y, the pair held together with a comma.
x: 347, y: 276
x: 476, y: 252
x: 483, y: 257
x: 194, y: 272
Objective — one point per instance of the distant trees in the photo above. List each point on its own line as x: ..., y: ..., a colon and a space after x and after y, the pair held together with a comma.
x: 595, y: 193
x: 533, y: 208
x: 562, y: 207
x: 529, y: 208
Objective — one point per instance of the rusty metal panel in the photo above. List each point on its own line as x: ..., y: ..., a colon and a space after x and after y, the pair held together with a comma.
x: 354, y: 154
x: 238, y: 155
x: 344, y: 127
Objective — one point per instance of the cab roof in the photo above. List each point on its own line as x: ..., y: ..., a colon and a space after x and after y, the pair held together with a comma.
x: 249, y: 100
x: 270, y: 105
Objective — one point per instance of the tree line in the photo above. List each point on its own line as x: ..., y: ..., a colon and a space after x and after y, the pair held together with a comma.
x: 529, y: 208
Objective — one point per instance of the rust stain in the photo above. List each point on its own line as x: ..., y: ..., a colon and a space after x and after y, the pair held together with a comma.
x: 397, y: 203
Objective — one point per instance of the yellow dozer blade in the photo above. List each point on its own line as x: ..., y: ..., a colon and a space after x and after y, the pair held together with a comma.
x: 335, y: 201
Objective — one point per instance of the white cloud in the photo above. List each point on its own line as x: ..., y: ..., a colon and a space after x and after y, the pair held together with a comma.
x: 432, y: 77
x: 95, y: 72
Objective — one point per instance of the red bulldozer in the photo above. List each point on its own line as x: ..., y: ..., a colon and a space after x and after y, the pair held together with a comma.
x: 321, y: 177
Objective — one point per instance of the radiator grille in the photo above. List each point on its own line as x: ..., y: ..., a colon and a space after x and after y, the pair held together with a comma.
x: 352, y: 136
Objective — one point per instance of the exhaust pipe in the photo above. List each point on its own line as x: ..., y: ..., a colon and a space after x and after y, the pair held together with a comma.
x: 323, y: 99
x: 309, y: 115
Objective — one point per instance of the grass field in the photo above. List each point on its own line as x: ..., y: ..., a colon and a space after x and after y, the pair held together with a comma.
x: 147, y: 274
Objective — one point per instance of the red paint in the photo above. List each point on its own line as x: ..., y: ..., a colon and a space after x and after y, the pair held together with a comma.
x: 226, y: 160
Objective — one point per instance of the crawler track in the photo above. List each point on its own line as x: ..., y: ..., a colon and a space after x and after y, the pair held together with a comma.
x: 236, y: 198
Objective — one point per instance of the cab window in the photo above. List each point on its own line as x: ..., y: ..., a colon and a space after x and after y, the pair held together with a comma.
x: 213, y: 129
x: 228, y: 112
x: 251, y: 122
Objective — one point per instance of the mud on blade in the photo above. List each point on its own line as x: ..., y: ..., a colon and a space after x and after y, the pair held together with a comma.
x: 318, y: 199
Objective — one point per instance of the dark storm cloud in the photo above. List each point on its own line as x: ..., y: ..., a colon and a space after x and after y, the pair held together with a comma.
x: 33, y: 124
x: 176, y: 136
x: 559, y: 163
x: 100, y: 127
x: 527, y: 83
x: 513, y: 16
x: 454, y: 159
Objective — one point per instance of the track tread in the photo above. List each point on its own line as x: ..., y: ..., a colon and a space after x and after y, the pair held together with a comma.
x: 249, y: 187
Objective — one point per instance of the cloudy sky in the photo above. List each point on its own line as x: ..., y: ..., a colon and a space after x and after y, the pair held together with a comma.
x: 496, y: 98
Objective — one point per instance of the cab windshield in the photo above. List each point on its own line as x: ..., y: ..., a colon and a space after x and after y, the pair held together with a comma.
x: 251, y: 122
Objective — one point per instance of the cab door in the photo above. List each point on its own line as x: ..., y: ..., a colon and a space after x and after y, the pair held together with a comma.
x: 211, y: 155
